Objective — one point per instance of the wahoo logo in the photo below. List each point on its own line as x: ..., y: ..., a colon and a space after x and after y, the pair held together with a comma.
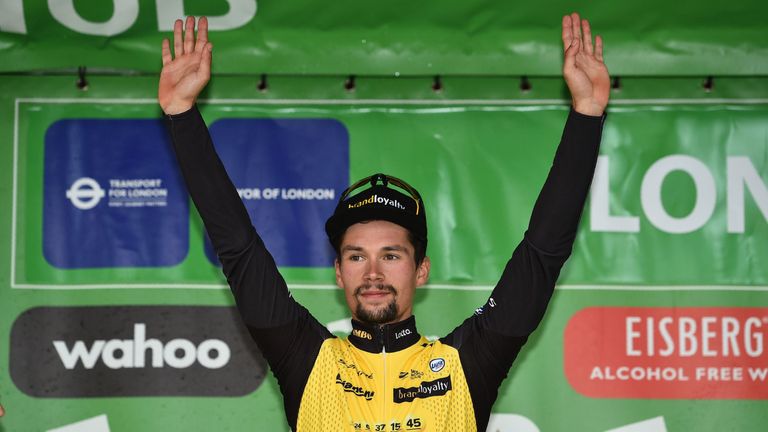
x: 140, y: 351
x: 375, y: 199
x: 177, y: 353
x: 425, y: 390
x: 356, y: 390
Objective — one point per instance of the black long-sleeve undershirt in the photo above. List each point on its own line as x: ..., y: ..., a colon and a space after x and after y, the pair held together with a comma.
x: 488, y: 342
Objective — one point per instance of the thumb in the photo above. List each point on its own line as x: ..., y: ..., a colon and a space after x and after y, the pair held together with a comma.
x: 205, y: 62
x: 570, y: 54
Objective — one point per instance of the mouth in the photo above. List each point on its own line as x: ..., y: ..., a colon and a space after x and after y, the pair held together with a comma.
x: 373, y: 293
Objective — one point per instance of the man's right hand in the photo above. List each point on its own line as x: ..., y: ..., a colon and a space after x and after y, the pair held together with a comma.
x: 186, y: 73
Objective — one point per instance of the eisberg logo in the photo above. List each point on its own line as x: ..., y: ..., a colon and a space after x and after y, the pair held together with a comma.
x: 668, y: 352
x: 85, y: 193
x: 436, y: 365
x: 177, y: 353
x: 120, y: 351
x: 375, y: 199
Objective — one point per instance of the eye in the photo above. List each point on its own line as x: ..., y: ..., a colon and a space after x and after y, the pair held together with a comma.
x: 355, y: 258
x: 391, y: 257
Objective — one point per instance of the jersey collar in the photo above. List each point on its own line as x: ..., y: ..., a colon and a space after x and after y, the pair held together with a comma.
x: 388, y: 337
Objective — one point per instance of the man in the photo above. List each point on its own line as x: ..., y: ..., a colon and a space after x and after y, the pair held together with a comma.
x: 385, y: 376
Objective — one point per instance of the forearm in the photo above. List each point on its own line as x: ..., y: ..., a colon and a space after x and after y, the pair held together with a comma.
x: 526, y: 285
x: 556, y: 214
x: 224, y: 215
x: 260, y: 292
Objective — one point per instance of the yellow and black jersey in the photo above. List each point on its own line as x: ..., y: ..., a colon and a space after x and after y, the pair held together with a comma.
x: 390, y: 378
x: 419, y: 385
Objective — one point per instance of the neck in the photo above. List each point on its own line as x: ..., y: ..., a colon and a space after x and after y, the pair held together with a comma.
x: 389, y: 337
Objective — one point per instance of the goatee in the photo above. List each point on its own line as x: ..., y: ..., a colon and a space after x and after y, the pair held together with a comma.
x: 380, y: 315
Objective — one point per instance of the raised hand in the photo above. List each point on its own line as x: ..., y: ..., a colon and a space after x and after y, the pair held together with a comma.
x: 583, y: 68
x: 186, y: 73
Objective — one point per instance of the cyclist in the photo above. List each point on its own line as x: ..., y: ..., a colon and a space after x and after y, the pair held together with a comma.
x: 385, y: 376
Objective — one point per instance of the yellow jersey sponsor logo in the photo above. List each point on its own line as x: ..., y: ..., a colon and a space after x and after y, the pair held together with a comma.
x: 356, y: 390
x: 425, y: 390
x: 362, y: 334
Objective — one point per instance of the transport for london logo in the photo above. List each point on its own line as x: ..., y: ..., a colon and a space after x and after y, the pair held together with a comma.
x: 85, y: 193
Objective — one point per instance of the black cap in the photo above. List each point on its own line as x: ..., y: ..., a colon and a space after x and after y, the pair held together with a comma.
x: 381, y: 201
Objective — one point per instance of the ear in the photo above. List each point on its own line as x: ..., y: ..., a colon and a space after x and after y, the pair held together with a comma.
x: 337, y: 266
x: 422, y: 272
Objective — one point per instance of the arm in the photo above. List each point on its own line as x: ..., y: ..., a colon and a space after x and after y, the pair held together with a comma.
x: 287, y: 335
x: 489, y: 341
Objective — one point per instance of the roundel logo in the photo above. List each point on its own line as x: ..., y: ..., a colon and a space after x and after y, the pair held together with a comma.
x: 85, y: 193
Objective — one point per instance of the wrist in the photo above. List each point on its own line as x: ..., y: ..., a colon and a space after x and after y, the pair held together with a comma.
x: 177, y: 107
x: 588, y: 108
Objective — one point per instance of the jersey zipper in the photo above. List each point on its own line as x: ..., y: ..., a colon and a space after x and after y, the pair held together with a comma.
x: 384, y: 372
x: 384, y: 386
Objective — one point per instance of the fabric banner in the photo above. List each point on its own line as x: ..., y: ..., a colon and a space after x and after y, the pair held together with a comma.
x: 388, y: 38
x: 114, y: 314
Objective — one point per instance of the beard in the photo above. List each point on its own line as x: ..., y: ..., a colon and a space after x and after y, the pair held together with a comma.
x: 380, y: 315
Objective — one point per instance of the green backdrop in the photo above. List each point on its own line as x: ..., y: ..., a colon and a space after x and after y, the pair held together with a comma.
x: 479, y: 161
x: 364, y: 37
x: 675, y: 229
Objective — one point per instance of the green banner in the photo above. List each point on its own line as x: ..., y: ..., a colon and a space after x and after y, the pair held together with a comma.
x: 666, y: 286
x: 387, y: 38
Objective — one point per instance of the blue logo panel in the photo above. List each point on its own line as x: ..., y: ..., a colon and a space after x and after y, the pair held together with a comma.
x: 113, y: 195
x: 290, y: 174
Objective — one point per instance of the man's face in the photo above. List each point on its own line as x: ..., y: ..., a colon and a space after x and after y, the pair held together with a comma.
x: 377, y: 272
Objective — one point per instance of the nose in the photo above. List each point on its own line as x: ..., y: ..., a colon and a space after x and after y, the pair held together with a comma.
x: 373, y: 273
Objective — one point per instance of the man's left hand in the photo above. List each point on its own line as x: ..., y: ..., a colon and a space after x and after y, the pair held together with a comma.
x: 583, y: 68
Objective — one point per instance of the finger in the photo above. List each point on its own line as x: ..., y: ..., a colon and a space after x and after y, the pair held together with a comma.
x: 166, y: 52
x: 567, y: 32
x: 205, y: 62
x: 576, y: 25
x: 599, y: 48
x: 178, y: 48
x: 586, y: 36
x: 189, y: 35
x: 202, y: 33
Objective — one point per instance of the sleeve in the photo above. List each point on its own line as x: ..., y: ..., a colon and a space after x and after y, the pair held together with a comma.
x: 287, y: 335
x: 489, y: 341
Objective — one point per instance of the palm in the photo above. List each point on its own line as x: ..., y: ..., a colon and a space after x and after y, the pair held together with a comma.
x: 184, y: 77
x: 583, y: 67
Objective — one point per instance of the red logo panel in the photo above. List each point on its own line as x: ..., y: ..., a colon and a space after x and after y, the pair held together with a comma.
x: 668, y: 353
